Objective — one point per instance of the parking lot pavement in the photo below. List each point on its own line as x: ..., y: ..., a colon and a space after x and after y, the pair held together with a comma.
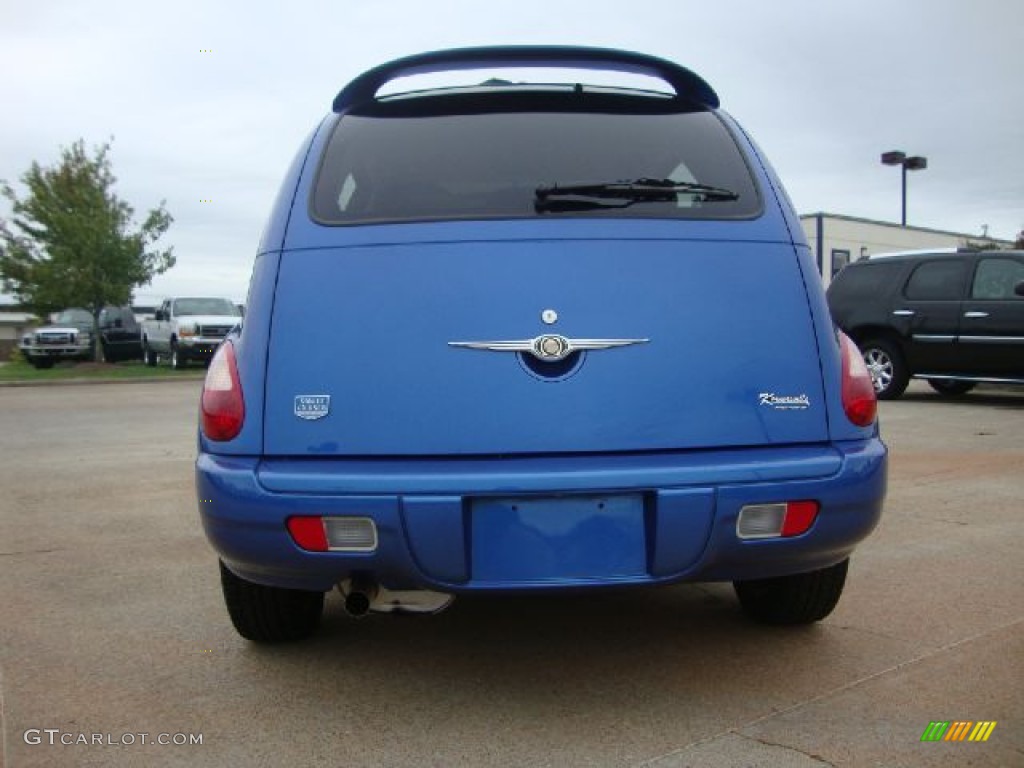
x: 112, y: 626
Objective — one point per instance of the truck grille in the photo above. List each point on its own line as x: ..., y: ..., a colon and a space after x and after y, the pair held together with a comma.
x: 214, y: 331
x: 53, y: 338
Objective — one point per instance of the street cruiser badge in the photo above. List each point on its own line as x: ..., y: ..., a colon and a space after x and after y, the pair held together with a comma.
x: 785, y: 402
x: 549, y: 348
x: 312, y: 407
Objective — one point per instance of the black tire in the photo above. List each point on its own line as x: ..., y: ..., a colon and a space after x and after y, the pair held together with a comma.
x: 178, y: 361
x: 148, y: 355
x: 951, y: 388
x: 802, y: 598
x: 41, y: 363
x: 270, y: 614
x: 887, y: 367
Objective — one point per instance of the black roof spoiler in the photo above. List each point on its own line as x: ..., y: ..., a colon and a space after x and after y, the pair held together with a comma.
x: 686, y: 84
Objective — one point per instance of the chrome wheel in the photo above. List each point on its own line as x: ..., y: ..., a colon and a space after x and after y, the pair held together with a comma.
x: 880, y: 366
x: 889, y: 374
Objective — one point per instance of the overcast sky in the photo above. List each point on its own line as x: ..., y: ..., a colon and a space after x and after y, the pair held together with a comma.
x: 824, y: 87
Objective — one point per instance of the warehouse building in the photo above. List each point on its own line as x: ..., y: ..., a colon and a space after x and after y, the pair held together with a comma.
x: 837, y: 240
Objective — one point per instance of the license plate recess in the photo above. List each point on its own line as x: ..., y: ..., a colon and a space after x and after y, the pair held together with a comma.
x: 558, y: 538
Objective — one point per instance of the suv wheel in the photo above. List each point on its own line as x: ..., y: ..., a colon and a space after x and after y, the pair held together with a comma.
x: 148, y: 355
x: 888, y: 371
x: 951, y: 388
x: 802, y: 598
x: 270, y: 614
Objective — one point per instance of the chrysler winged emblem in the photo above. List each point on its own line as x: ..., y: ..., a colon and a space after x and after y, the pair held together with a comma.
x: 549, y: 348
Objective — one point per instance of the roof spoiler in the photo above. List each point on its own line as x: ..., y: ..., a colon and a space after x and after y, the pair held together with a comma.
x: 687, y: 85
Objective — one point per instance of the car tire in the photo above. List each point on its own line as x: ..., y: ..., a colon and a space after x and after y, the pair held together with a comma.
x: 148, y: 355
x: 801, y: 598
x: 178, y: 361
x: 887, y: 368
x: 270, y: 614
x: 951, y: 388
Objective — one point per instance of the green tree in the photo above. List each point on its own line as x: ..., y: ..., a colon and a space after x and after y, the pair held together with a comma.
x: 71, y: 242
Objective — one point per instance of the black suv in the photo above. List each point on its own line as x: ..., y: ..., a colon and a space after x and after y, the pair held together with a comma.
x: 953, y: 318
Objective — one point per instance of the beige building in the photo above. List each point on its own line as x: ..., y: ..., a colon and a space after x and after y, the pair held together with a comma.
x: 838, y: 240
x: 12, y: 326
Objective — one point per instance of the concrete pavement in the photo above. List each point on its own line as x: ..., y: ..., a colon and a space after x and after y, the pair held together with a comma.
x: 112, y: 624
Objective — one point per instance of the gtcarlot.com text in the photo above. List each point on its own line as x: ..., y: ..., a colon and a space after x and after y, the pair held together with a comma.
x: 57, y: 737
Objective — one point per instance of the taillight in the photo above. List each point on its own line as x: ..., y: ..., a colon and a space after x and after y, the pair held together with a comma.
x: 780, y: 519
x: 333, y: 533
x: 223, y: 408
x: 858, y: 390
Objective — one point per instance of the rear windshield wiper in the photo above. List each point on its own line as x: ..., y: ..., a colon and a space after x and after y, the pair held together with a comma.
x: 643, y: 190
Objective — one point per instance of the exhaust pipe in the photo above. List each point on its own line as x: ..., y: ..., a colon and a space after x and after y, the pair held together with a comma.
x: 357, y: 604
x: 362, y: 596
x: 359, y: 596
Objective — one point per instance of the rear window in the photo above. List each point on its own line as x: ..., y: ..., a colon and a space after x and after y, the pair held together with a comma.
x: 485, y: 156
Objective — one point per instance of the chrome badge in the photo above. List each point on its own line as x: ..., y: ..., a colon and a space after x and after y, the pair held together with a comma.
x: 549, y: 348
x: 312, y: 407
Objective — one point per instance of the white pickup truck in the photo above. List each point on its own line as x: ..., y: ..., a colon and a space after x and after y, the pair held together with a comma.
x: 185, y: 329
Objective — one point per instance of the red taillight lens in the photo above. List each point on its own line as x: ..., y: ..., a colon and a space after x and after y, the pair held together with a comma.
x: 800, y: 515
x: 223, y: 408
x: 308, y: 533
x: 859, y: 399
x: 781, y: 518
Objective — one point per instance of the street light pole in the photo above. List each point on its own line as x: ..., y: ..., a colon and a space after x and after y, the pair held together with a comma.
x: 903, y: 195
x: 915, y: 163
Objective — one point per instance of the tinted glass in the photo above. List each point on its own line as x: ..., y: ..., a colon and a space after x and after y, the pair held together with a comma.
x: 204, y: 307
x: 937, y: 280
x: 864, y: 280
x: 485, y: 157
x: 996, y: 278
x: 74, y: 317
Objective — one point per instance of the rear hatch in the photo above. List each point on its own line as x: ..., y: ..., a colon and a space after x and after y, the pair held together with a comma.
x: 360, y: 361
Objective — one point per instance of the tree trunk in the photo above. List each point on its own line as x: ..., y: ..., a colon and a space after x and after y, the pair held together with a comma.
x: 97, y: 347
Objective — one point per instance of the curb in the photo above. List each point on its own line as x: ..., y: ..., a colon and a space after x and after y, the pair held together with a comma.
x: 90, y: 382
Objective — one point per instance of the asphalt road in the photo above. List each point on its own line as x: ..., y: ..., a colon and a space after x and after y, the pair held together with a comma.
x: 111, y: 624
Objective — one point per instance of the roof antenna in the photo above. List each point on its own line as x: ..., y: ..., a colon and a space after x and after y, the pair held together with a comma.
x: 578, y: 88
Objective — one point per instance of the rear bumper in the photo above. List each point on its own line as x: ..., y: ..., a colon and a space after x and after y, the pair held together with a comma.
x: 437, y: 525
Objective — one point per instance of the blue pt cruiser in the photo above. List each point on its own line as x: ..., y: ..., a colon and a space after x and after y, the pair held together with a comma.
x: 517, y: 337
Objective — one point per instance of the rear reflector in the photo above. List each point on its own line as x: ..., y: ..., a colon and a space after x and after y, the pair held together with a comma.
x: 770, y: 521
x: 334, y: 534
x: 308, y: 533
x: 800, y: 516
